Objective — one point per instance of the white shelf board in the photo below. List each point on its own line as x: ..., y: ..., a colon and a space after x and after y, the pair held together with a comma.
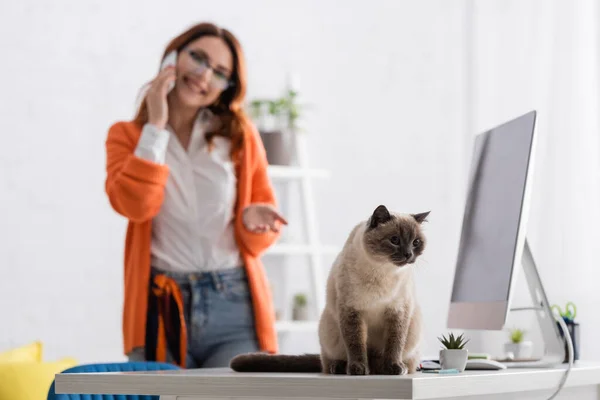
x: 296, y: 326
x: 293, y: 172
x: 290, y: 249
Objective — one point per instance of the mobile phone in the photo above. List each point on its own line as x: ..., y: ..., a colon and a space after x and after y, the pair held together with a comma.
x: 169, y: 60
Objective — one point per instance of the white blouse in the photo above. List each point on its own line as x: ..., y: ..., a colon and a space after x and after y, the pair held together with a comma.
x: 194, y: 229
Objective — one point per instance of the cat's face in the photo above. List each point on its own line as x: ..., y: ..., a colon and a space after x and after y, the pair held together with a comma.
x: 395, y: 239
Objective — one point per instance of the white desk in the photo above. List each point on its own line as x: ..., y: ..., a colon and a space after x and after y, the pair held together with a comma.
x: 204, y: 384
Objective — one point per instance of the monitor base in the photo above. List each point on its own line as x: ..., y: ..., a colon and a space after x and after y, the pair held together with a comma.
x: 554, y: 351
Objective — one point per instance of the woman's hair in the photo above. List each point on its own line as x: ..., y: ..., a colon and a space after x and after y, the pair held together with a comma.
x: 229, y: 105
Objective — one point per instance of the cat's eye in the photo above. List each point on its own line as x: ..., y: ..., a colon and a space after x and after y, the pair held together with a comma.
x: 395, y: 239
x: 417, y: 242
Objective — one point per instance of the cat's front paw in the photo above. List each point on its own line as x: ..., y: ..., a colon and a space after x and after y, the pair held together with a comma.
x: 338, y: 367
x: 357, y: 368
x: 394, y: 368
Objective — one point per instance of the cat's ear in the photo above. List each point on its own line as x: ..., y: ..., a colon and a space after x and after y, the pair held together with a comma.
x: 421, y: 217
x: 380, y: 215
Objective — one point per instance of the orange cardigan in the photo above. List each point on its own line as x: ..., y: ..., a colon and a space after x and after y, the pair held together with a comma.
x: 135, y: 188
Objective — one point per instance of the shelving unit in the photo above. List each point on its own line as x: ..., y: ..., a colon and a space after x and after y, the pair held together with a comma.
x: 280, y: 172
x: 313, y: 248
x: 295, y: 249
x: 296, y: 326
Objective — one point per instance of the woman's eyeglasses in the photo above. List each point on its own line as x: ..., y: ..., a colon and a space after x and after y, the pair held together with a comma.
x: 219, y: 80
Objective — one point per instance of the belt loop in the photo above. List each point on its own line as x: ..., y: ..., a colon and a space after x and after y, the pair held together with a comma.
x: 217, y: 281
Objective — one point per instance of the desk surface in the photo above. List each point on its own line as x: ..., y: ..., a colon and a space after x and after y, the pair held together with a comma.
x: 226, y: 383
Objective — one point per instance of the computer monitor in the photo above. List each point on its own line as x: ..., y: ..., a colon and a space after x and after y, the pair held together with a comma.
x: 494, y: 223
x: 493, y: 245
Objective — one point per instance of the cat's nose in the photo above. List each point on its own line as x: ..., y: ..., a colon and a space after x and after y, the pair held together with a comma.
x: 408, y: 255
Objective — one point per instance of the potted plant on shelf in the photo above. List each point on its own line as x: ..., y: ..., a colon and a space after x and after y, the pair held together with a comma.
x: 300, y: 309
x: 520, y: 349
x: 277, y: 120
x: 453, y: 355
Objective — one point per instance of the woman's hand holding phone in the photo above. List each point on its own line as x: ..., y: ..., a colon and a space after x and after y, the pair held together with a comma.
x: 156, y: 97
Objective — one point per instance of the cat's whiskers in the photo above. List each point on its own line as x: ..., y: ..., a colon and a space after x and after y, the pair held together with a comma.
x: 423, y: 260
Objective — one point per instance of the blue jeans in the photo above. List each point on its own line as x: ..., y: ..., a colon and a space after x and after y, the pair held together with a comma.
x: 218, y: 314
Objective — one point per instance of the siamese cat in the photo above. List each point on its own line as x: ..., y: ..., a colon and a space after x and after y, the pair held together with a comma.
x: 371, y: 323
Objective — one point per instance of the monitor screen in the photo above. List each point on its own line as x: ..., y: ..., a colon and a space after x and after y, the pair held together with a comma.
x: 493, y: 212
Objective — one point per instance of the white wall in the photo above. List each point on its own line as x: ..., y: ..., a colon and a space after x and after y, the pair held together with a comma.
x: 543, y: 55
x: 389, y: 121
x: 386, y: 80
x: 393, y: 116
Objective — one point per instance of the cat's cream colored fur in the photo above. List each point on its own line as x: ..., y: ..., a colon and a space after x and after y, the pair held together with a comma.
x: 371, y: 323
x: 381, y: 293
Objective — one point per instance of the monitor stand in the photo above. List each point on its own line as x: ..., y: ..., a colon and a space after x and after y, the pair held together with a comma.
x: 554, y: 352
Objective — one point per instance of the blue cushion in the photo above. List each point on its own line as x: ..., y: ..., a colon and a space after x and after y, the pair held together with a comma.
x: 111, y: 367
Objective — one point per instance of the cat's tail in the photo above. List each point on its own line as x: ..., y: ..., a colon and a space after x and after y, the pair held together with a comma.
x: 262, y: 362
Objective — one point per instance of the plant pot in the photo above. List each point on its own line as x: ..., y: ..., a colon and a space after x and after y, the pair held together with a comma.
x: 454, y: 359
x: 521, y: 351
x: 300, y: 313
x: 278, y: 146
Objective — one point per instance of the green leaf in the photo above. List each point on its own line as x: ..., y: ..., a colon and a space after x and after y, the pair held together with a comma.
x: 300, y: 299
x: 453, y: 342
x: 517, y: 335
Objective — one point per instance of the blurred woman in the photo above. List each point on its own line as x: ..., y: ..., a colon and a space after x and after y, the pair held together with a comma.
x: 190, y: 175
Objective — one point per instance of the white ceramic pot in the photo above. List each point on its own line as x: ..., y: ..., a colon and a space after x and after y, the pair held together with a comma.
x: 523, y: 350
x: 454, y: 359
x: 300, y: 313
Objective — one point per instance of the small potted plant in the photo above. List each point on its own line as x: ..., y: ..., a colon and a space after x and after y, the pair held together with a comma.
x: 277, y: 122
x: 277, y: 140
x: 520, y: 349
x: 300, y: 310
x: 453, y: 355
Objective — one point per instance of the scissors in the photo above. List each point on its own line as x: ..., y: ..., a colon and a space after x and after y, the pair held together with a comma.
x: 569, y: 313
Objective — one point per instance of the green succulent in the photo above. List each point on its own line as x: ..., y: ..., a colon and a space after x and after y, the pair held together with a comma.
x: 453, y: 342
x: 286, y: 106
x: 300, y: 300
x: 516, y: 335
